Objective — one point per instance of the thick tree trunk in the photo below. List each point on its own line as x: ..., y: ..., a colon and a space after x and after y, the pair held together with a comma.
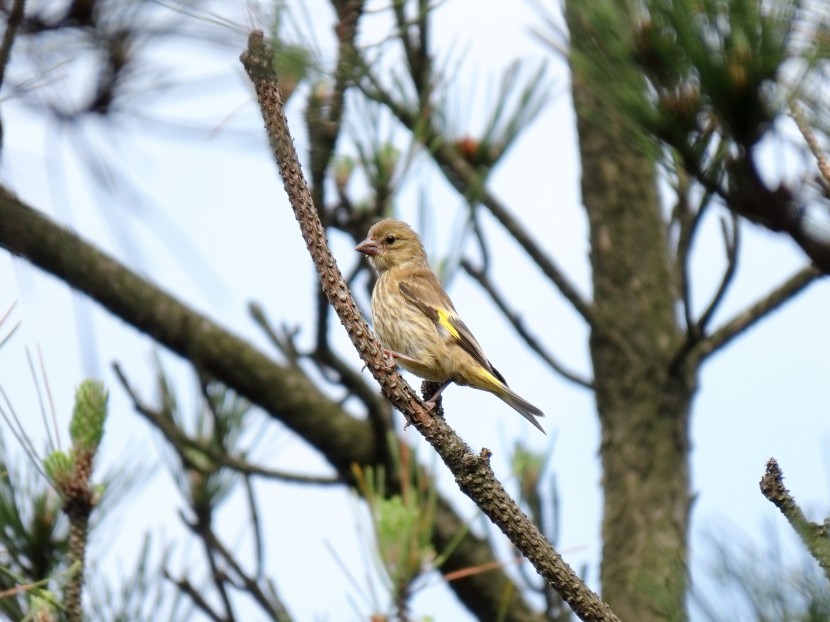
x: 643, y: 407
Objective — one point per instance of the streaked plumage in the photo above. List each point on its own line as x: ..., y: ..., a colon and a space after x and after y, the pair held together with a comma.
x: 416, y: 321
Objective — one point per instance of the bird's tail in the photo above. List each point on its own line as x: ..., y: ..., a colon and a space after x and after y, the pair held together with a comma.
x: 521, y: 406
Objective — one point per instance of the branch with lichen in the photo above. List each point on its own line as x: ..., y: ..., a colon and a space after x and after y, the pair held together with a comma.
x: 816, y: 537
x: 472, y: 473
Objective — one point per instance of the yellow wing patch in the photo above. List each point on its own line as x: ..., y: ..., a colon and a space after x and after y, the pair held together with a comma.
x: 444, y: 319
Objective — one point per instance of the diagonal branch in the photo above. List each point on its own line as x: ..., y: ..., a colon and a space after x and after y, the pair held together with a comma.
x: 814, y: 536
x: 12, y: 24
x: 797, y: 114
x: 282, y: 391
x: 472, y: 473
x: 195, y: 595
x: 181, y: 442
x: 518, y: 325
x: 785, y: 292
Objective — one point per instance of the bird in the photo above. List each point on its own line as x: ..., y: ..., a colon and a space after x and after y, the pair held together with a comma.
x: 417, y: 324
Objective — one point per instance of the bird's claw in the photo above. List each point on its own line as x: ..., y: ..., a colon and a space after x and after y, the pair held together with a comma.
x: 391, y: 358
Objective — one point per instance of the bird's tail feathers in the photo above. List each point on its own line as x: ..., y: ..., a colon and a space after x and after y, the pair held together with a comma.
x: 522, y: 406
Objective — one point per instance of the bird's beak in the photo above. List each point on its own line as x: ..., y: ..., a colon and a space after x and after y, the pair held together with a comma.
x: 368, y: 247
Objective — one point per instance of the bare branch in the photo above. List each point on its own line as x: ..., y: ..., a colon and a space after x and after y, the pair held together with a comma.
x: 810, y: 138
x: 757, y: 311
x: 12, y: 24
x: 325, y: 110
x: 472, y: 473
x: 689, y: 226
x: 696, y: 331
x: 518, y: 325
x: 814, y: 536
x: 275, y: 609
x: 327, y: 361
x: 181, y: 441
x: 195, y: 596
x: 731, y: 240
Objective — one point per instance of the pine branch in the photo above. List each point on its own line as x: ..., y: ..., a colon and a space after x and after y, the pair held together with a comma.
x: 472, y: 473
x: 785, y: 292
x: 814, y: 536
x: 283, y: 391
x: 184, y: 444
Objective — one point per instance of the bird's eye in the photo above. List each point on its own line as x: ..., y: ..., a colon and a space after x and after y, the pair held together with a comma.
x: 390, y: 239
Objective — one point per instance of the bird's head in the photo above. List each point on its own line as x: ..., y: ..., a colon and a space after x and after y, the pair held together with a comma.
x: 392, y: 244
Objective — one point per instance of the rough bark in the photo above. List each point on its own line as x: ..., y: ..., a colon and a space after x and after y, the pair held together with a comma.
x: 642, y: 405
x: 472, y: 473
x: 281, y: 390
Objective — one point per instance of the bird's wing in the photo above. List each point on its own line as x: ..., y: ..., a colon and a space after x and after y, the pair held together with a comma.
x: 423, y: 290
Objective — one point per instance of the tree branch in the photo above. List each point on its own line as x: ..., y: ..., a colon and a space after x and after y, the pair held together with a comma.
x: 472, y: 473
x: 195, y: 596
x: 757, y: 311
x: 732, y: 244
x: 814, y: 536
x: 181, y: 441
x: 810, y: 138
x: 481, y: 278
x: 282, y: 391
x: 12, y: 24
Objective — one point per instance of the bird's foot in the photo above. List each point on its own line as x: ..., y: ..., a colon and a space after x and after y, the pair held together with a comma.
x: 392, y: 358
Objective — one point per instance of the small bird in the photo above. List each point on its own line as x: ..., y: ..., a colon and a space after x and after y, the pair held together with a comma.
x: 417, y: 324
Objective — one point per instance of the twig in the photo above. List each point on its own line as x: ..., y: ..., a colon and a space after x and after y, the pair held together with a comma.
x: 814, y: 536
x: 256, y: 526
x: 696, y: 330
x: 324, y: 113
x: 785, y: 292
x: 481, y: 277
x: 180, y: 441
x: 195, y: 596
x: 275, y: 609
x: 12, y: 24
x: 347, y: 377
x: 732, y: 244
x: 472, y: 473
x: 202, y: 528
x: 810, y: 138
x: 689, y: 226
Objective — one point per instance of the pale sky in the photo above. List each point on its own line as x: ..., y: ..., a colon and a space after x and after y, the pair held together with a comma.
x: 765, y: 395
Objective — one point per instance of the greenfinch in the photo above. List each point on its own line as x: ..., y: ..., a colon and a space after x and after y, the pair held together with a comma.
x: 417, y: 323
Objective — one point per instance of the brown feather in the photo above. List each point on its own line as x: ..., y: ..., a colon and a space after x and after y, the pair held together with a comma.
x: 415, y: 318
